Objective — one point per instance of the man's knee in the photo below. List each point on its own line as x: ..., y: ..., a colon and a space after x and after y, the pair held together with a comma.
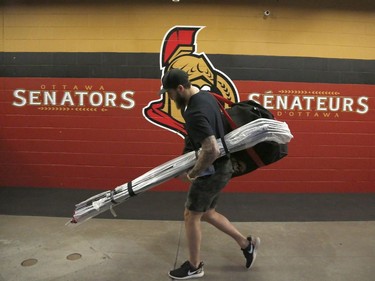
x: 192, y: 215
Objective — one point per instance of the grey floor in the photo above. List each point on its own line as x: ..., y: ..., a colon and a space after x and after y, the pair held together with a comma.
x: 114, y: 249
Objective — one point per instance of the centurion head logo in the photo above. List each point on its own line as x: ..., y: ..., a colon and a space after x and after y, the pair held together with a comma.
x: 179, y: 50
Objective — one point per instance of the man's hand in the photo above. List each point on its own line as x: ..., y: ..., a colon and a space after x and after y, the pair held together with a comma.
x: 183, y: 177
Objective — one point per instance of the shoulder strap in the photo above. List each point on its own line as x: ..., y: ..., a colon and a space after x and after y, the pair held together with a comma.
x: 222, y: 99
x: 251, y: 152
x: 227, y: 116
x: 222, y: 134
x: 221, y: 124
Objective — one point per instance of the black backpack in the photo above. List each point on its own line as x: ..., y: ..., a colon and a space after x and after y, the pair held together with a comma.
x: 263, y: 153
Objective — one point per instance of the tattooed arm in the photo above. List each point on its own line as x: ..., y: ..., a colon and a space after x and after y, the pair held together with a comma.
x: 209, y: 153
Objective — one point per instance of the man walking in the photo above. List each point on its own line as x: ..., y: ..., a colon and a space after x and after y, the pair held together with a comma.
x: 210, y: 174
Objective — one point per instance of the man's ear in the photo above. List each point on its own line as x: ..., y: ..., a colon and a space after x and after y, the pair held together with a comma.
x: 180, y: 88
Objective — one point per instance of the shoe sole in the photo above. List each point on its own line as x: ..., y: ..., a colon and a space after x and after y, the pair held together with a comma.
x: 199, y: 275
x: 256, y: 242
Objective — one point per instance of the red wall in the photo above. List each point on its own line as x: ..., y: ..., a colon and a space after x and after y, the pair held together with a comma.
x: 98, y: 147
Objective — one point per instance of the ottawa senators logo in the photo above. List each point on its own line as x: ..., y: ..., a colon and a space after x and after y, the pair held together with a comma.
x: 178, y: 50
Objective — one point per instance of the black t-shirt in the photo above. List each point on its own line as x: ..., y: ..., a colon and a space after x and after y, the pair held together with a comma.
x: 202, y: 118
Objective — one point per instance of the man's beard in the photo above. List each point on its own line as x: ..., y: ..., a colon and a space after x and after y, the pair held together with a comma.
x: 180, y: 101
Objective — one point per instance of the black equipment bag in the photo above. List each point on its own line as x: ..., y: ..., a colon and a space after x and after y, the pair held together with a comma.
x: 263, y: 153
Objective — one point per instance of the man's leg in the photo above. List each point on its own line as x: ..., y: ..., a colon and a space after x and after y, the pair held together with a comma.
x: 248, y: 245
x: 193, y: 268
x: 223, y: 224
x: 193, y: 235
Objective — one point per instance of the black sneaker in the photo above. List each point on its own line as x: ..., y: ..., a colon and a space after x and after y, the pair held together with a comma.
x: 250, y: 252
x: 187, y: 271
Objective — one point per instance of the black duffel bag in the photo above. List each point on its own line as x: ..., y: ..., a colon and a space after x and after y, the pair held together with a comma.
x: 263, y: 153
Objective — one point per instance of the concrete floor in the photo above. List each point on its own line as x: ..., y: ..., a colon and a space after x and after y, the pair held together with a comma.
x: 114, y: 249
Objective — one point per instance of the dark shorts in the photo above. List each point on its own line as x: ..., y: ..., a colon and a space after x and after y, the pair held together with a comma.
x: 204, y: 192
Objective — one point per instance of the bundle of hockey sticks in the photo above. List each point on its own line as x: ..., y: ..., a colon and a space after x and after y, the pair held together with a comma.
x: 239, y: 139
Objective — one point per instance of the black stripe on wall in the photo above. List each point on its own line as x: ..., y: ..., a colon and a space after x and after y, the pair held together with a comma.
x: 146, y: 65
x: 236, y: 206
